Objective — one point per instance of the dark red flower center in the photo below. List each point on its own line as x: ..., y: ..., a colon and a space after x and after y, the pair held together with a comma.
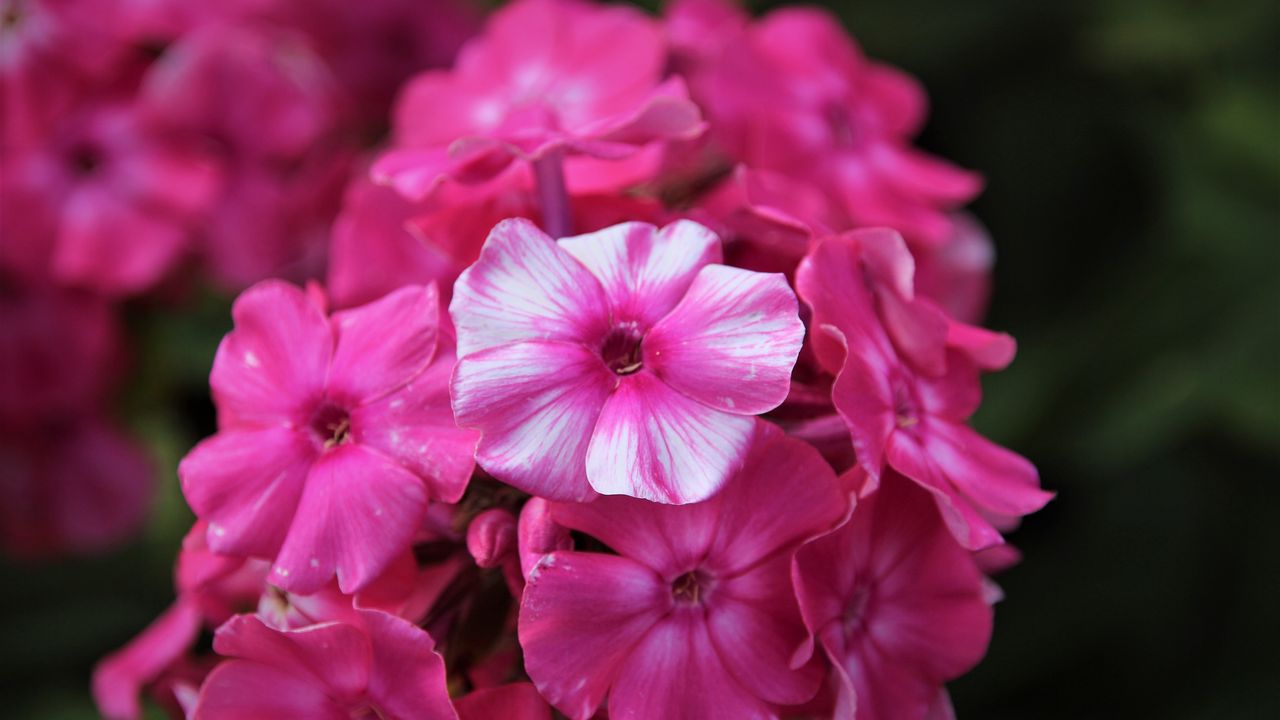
x: 621, y: 350
x: 84, y: 158
x: 855, y: 612
x: 691, y: 588
x: 905, y: 408
x: 332, y: 425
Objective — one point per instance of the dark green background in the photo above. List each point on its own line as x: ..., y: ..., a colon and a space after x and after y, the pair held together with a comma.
x: 1132, y: 151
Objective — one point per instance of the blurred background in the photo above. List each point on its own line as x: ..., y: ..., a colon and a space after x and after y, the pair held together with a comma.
x: 1132, y: 154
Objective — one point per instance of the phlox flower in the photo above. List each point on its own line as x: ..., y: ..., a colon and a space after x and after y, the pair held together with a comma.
x: 695, y: 616
x: 907, y: 382
x: 546, y: 77
x: 625, y: 361
x: 792, y: 93
x: 896, y: 605
x: 375, y: 665
x: 334, y: 433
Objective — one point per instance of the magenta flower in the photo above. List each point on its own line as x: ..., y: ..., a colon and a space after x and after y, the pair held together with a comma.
x: 792, y: 93
x: 695, y: 616
x: 334, y: 433
x: 623, y: 362
x: 547, y: 77
x: 376, y: 666
x: 895, y: 603
x: 907, y: 382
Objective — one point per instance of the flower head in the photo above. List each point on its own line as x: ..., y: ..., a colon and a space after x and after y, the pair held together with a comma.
x: 333, y: 434
x: 695, y: 616
x: 907, y: 382
x: 626, y: 361
x: 895, y: 603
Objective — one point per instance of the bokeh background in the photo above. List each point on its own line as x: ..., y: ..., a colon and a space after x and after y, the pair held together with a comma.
x: 1132, y: 151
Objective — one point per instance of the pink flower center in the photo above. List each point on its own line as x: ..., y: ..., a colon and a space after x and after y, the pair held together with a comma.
x: 855, y: 613
x: 331, y: 425
x: 691, y: 588
x: 905, y: 409
x: 367, y: 712
x: 840, y: 123
x: 84, y: 158
x: 621, y: 351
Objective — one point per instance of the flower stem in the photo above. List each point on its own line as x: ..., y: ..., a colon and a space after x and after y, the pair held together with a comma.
x: 548, y: 171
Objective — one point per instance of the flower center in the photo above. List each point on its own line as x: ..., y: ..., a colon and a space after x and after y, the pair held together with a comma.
x: 905, y: 409
x: 856, y: 611
x: 84, y: 158
x: 332, y: 425
x: 621, y: 351
x: 10, y: 15
x: 691, y: 588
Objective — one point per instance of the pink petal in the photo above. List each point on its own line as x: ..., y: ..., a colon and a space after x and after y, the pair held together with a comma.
x: 996, y: 479
x: 112, y: 246
x: 969, y: 527
x: 525, y: 288
x: 118, y: 679
x: 358, y: 512
x: 246, y: 484
x: 538, y: 534
x: 675, y: 672
x: 645, y: 271
x: 757, y: 610
x: 415, y: 427
x: 654, y: 443
x: 667, y: 114
x: 383, y: 345
x: 535, y: 404
x: 335, y: 656
x: 407, y: 678
x: 580, y: 617
x: 244, y: 690
x: 799, y: 490
x: 731, y: 342
x: 669, y: 539
x: 517, y: 701
x: 272, y: 366
x: 989, y: 350
x: 863, y: 396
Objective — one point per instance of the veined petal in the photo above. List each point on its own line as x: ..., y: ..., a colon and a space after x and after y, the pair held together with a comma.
x: 333, y: 655
x: 525, y: 288
x: 996, y: 479
x: 407, y: 677
x: 246, y: 484
x: 580, y: 616
x: 415, y: 427
x: 358, y: 512
x: 645, y: 271
x: 669, y: 539
x: 383, y: 345
x: 675, y: 673
x: 654, y: 443
x: 731, y: 342
x: 273, y: 365
x: 535, y: 405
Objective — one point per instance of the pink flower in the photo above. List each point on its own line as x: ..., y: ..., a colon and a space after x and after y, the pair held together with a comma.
x: 626, y: 361
x: 546, y: 77
x: 119, y: 196
x: 792, y: 93
x: 333, y: 435
x: 695, y: 616
x: 957, y: 273
x: 376, y: 666
x: 907, y: 382
x: 78, y: 486
x: 895, y: 603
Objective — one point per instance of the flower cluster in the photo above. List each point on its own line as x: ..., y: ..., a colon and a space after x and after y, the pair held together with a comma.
x: 639, y: 386
x: 144, y: 147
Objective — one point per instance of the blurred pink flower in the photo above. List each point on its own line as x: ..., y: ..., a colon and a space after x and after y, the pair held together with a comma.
x: 333, y: 434
x: 626, y: 361
x: 546, y: 77
x: 895, y: 603
x: 695, y: 616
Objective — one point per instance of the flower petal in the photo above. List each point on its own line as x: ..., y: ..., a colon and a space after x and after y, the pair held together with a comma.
x: 119, y: 678
x: 535, y: 405
x: 580, y: 616
x: 358, y: 512
x: 246, y: 484
x: 274, y: 363
x: 645, y: 271
x: 731, y: 342
x: 654, y: 443
x: 381, y: 346
x: 676, y: 673
x: 245, y: 690
x: 415, y: 427
x: 670, y: 539
x: 335, y: 656
x: 516, y: 701
x: 525, y: 288
x: 407, y: 678
x: 996, y: 479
